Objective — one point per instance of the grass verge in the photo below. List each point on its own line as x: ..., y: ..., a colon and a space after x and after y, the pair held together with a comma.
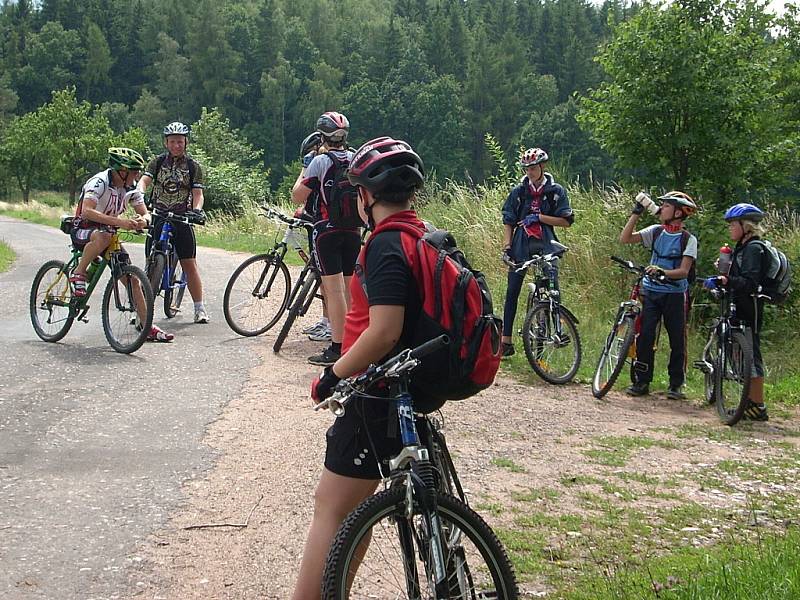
x: 7, y: 257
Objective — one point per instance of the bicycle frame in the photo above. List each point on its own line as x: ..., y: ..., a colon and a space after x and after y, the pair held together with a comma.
x: 721, y: 329
x: 412, y: 466
x: 542, y: 290
x: 165, y: 247
x: 78, y: 306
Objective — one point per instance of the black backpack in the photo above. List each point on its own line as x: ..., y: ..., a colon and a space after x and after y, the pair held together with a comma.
x: 341, y: 196
x: 778, y: 274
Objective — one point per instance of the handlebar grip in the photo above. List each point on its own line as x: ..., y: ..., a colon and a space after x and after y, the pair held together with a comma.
x: 430, y: 346
x: 619, y: 260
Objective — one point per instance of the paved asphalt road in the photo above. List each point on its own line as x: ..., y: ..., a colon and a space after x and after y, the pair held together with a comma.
x: 94, y: 444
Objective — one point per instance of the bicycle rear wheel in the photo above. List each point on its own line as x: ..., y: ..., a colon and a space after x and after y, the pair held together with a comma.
x: 380, y: 552
x: 50, y: 299
x: 299, y: 306
x: 614, y: 354
x: 732, y: 370
x: 124, y: 329
x: 554, y: 354
x: 173, y: 297
x: 257, y: 294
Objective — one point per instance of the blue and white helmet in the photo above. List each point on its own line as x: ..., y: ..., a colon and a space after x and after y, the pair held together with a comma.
x: 744, y: 210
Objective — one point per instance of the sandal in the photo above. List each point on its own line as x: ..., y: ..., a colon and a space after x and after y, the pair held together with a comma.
x: 78, y: 282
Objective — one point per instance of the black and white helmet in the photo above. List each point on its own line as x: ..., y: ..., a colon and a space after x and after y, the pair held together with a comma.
x: 176, y: 128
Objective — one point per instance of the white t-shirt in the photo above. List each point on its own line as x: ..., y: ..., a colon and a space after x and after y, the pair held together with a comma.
x: 112, y: 201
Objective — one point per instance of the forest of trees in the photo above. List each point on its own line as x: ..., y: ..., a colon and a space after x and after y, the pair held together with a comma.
x: 701, y: 94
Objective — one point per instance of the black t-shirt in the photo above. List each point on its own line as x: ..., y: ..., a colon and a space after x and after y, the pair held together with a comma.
x: 390, y: 282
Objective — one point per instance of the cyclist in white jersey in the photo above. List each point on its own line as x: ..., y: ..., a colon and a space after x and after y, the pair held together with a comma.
x: 104, y: 199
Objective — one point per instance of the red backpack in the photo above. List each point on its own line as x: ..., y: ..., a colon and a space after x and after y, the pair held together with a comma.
x: 455, y: 301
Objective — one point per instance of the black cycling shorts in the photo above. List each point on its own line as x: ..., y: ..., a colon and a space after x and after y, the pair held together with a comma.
x: 336, y: 250
x: 182, y: 238
x: 368, y: 434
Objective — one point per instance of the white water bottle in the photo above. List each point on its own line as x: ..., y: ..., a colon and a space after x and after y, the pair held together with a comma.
x: 725, y: 259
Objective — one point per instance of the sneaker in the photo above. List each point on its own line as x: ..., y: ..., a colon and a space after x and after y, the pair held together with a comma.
x: 159, y: 335
x: 638, y: 389
x: 201, y: 316
x: 756, y: 412
x: 675, y: 393
x: 78, y: 282
x: 507, y: 349
x: 321, y: 335
x: 326, y: 359
x: 318, y: 326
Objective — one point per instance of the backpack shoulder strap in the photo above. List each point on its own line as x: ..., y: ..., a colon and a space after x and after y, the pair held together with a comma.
x: 159, y: 163
x: 192, y: 170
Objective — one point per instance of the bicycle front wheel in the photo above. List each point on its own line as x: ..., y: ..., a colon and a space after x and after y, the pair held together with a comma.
x: 173, y: 297
x: 50, y: 299
x: 299, y: 306
x: 552, y: 344
x: 257, y: 294
x: 126, y: 291
x: 156, y: 264
x: 381, y: 552
x: 615, y: 353
x: 732, y: 370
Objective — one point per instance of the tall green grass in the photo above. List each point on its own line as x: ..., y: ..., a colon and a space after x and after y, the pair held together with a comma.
x: 7, y: 256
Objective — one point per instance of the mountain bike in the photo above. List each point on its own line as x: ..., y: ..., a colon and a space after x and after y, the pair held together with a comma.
x: 127, y: 305
x: 260, y: 289
x: 163, y: 266
x: 303, y: 293
x: 620, y: 345
x: 726, y: 361
x: 550, y: 330
x: 413, y: 539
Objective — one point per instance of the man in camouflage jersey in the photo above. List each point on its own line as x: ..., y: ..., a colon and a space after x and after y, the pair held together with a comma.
x: 178, y: 187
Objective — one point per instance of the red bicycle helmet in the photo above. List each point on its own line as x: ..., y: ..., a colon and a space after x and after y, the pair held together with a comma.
x: 386, y: 164
x: 333, y: 126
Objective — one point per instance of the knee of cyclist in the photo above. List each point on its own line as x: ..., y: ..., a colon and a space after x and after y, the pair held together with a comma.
x: 102, y: 237
x: 330, y: 507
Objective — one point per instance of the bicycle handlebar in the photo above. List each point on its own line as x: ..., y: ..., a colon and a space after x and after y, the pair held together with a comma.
x: 629, y: 265
x: 174, y: 217
x: 398, y: 365
x: 292, y: 222
x: 536, y: 259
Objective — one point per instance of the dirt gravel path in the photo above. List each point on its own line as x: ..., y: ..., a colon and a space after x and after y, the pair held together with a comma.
x: 509, y: 441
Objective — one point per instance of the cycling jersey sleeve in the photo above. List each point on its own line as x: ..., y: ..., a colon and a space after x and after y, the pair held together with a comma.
x: 388, y: 276
x: 151, y: 168
x: 199, y: 176
x: 94, y: 189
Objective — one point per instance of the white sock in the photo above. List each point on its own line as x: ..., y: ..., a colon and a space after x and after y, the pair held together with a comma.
x: 324, y: 321
x: 199, y: 306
